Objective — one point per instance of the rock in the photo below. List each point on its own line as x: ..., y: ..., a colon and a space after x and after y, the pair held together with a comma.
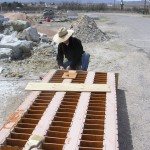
x: 31, y: 34
x: 44, y: 38
x: 1, y: 19
x: 21, y: 36
x: 1, y: 36
x: 26, y: 47
x: 5, y: 53
x: 1, y: 69
x: 20, y: 25
x: 8, y: 29
x: 9, y: 38
x: 19, y: 49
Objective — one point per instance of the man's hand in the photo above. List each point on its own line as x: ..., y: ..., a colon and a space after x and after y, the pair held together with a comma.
x: 68, y: 68
x: 61, y: 67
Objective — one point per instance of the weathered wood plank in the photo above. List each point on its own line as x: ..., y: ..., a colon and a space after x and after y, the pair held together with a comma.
x: 67, y: 87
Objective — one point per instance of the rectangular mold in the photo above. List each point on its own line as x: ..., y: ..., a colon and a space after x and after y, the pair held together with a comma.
x: 56, y: 134
x: 89, y: 116
x: 29, y: 120
x: 68, y: 103
x: 19, y: 136
x: 4, y: 147
x: 60, y: 123
x: 33, y: 116
x: 54, y: 140
x: 60, y: 114
x: 96, y: 108
x: 89, y: 148
x: 94, y: 121
x: 44, y: 98
x: 58, y: 128
x: 66, y: 110
x: 35, y: 111
x: 15, y: 142
x: 95, y: 113
x: 26, y: 125
x: 67, y: 106
x: 39, y: 104
x: 52, y: 146
x: 23, y: 130
x: 97, y: 104
x: 91, y: 137
x: 93, y: 131
x: 42, y: 101
x: 94, y: 126
x: 91, y: 144
x: 38, y: 107
x: 62, y: 119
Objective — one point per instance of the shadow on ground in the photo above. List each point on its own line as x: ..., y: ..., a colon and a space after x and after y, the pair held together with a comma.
x: 124, y: 131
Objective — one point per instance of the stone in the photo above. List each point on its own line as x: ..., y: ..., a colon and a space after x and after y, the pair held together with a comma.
x: 1, y: 36
x: 20, y: 25
x: 31, y: 34
x: 19, y: 49
x: 5, y: 53
x: 44, y: 38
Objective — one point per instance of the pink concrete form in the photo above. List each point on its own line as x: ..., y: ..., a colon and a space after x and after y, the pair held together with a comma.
x: 111, y: 121
x: 66, y: 120
x: 13, y: 120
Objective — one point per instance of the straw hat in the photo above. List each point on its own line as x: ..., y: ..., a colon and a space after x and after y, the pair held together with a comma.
x: 62, y: 35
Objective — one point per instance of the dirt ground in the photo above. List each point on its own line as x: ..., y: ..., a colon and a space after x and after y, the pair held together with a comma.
x: 127, y: 52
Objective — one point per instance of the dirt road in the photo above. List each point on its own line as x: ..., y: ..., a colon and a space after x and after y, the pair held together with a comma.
x: 128, y: 53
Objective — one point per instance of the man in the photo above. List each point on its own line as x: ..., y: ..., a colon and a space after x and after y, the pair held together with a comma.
x: 72, y: 49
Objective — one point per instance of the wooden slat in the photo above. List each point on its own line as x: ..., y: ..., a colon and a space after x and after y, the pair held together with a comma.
x: 67, y: 87
x: 69, y: 75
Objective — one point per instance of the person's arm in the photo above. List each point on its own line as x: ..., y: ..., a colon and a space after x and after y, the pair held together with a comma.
x: 60, y: 56
x: 78, y: 53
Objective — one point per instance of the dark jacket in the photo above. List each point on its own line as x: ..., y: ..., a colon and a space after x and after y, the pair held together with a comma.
x: 73, y: 52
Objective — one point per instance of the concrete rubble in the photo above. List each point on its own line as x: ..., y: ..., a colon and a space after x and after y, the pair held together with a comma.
x: 18, y: 39
x: 86, y: 29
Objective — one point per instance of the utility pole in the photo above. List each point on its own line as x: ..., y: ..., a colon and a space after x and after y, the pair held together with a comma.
x: 1, y: 8
x: 145, y: 7
x: 121, y: 4
x: 114, y: 4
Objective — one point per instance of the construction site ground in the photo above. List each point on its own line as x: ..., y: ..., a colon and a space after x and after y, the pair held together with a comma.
x: 126, y: 53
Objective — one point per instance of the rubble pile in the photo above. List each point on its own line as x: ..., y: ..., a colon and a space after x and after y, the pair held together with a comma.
x: 16, y: 16
x: 24, y: 49
x: 43, y: 58
x: 87, y: 31
x: 18, y: 39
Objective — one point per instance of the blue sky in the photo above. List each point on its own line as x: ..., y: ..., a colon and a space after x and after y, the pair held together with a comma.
x: 64, y: 0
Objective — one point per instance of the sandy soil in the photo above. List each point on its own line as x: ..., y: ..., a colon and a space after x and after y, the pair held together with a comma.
x: 127, y: 53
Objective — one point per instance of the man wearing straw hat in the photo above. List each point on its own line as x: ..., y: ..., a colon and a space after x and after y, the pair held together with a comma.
x: 72, y: 49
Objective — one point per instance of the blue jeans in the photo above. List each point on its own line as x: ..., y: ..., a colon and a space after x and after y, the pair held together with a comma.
x: 84, y: 63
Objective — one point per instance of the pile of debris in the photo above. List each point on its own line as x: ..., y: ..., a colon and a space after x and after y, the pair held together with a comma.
x: 16, y: 16
x: 18, y: 38
x: 87, y: 31
x: 48, y: 13
x: 43, y: 58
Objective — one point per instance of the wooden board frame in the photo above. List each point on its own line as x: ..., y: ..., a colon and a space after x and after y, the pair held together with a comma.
x: 67, y: 87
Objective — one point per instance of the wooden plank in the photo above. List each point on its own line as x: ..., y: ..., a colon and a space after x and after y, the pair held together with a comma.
x: 69, y: 75
x: 67, y: 87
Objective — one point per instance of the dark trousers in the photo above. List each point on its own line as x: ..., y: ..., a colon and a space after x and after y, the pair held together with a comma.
x: 83, y: 64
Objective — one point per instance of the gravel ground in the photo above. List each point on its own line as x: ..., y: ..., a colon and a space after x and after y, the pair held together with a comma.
x: 128, y: 53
